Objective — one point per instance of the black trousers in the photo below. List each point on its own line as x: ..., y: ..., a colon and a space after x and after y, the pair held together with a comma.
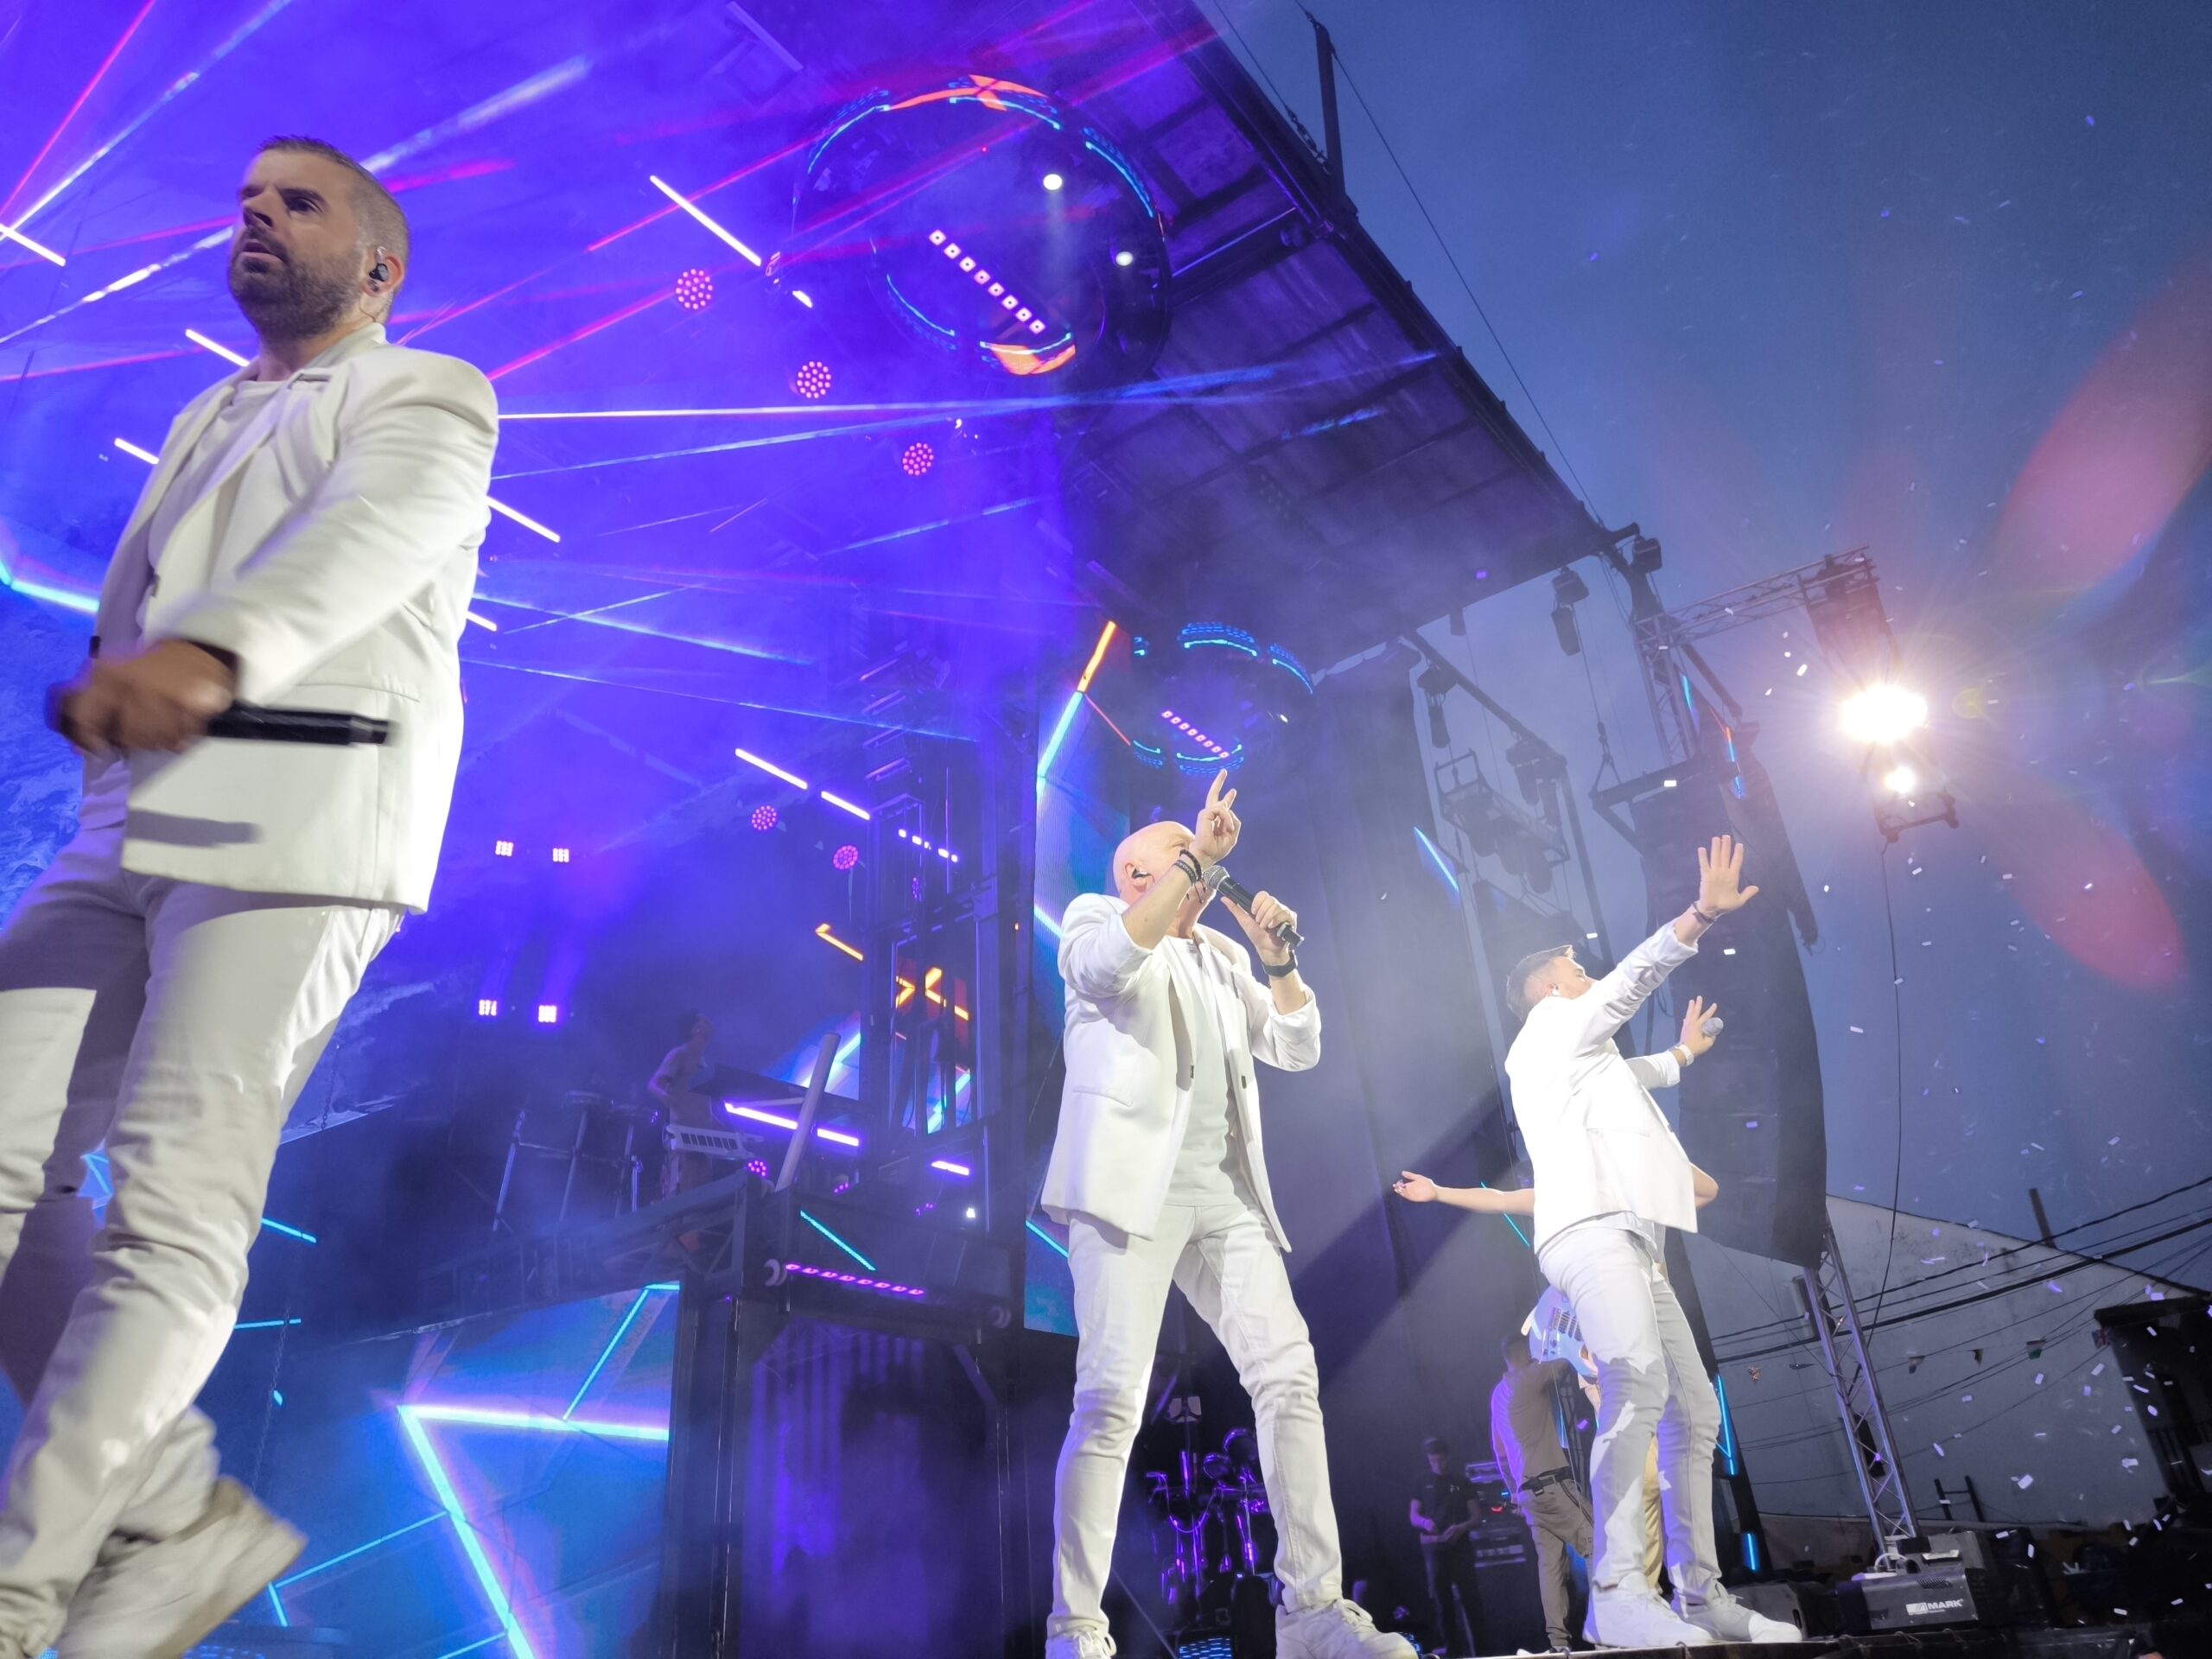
x: 1454, y: 1602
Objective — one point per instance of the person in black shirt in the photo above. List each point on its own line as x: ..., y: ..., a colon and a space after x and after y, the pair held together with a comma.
x: 1443, y: 1513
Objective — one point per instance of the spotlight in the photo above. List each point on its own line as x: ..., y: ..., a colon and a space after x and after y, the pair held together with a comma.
x: 1901, y: 781
x: 695, y: 289
x: 1882, y: 713
x: 1053, y: 180
x: 560, y: 855
x: 918, y: 460
x: 845, y: 857
x: 503, y: 849
x: 764, y: 818
x: 1125, y: 259
x: 549, y: 1014
x: 811, y: 380
x: 488, y: 1007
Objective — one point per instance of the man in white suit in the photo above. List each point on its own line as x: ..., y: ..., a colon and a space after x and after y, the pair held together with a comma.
x: 1610, y: 1178
x: 1157, y: 1173
x: 308, y: 539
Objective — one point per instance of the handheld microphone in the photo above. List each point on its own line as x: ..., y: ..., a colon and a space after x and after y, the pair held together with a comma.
x: 251, y: 723
x: 1712, y: 1027
x: 1237, y: 894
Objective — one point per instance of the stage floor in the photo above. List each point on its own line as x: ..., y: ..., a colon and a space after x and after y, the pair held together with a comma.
x: 2133, y: 1641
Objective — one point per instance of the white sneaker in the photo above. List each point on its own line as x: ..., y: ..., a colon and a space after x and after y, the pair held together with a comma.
x: 1636, y: 1618
x: 155, y: 1598
x: 1727, y: 1618
x: 1339, y: 1630
x: 1080, y: 1645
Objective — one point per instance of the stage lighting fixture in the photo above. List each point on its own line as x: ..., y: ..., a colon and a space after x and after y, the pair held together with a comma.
x: 1568, y: 590
x: 917, y: 460
x: 488, y: 1007
x: 764, y: 818
x: 695, y: 289
x: 1125, y: 259
x: 1901, y: 781
x: 549, y: 1014
x: 1883, y: 713
x: 1054, y: 182
x: 560, y: 855
x: 845, y: 857
x: 811, y: 380
x: 503, y: 849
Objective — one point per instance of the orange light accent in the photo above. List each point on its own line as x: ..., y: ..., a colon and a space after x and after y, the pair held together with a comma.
x: 1108, y: 719
x: 1020, y: 360
x: 1097, y: 655
x: 905, y: 992
x: 824, y: 933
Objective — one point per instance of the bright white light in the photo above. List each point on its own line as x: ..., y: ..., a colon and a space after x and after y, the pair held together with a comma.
x: 1882, y: 714
x: 804, y: 298
x: 1901, y: 781
x: 207, y: 344
x: 771, y: 768
x: 522, y: 518
x: 132, y: 449
x: 38, y: 248
x: 1053, y: 180
x: 1125, y: 259
x: 483, y: 622
x: 678, y: 199
x: 839, y: 801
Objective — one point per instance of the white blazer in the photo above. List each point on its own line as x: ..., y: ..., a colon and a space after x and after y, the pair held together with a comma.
x: 1598, y: 1141
x: 1130, y: 1068
x: 342, y: 581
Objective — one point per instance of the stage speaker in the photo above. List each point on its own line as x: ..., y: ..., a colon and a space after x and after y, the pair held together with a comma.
x: 1752, y: 1109
x: 1509, y: 1613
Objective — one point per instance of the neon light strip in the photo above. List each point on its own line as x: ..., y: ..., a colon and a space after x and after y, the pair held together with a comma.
x: 67, y: 597
x: 699, y: 214
x: 522, y: 518
x: 836, y: 1137
x: 38, y: 248
x: 484, y: 622
x: 824, y: 933
x: 1060, y: 735
x: 99, y: 75
x: 277, y: 1605
x: 608, y: 1352
x: 493, y: 1417
x: 860, y: 813
x: 1437, y: 859
x: 771, y: 768
x: 359, y: 1549
x: 1097, y: 655
x: 288, y: 1232
x: 1044, y: 921
x: 205, y: 344
x: 1049, y: 1239
x: 838, y: 1242
x: 135, y: 452
x: 263, y: 1325
x: 951, y: 1168
x: 1510, y: 1222
x: 486, y: 1580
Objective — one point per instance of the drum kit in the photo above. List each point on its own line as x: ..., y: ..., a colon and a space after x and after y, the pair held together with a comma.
x: 1213, y: 1536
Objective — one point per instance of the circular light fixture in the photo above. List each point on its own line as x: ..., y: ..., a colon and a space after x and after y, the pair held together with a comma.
x: 695, y: 289
x: 764, y: 818
x: 1125, y: 259
x: 846, y: 856
x: 1882, y: 713
x: 1054, y: 182
x: 811, y: 380
x: 918, y: 459
x: 1901, y: 781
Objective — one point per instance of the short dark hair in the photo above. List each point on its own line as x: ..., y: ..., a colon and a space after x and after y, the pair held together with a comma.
x: 1513, y: 1347
x: 384, y: 221
x: 686, y: 1023
x: 1517, y: 990
x: 1437, y: 1446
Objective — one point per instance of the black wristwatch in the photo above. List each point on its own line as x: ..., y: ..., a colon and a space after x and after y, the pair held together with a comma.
x: 1282, y: 972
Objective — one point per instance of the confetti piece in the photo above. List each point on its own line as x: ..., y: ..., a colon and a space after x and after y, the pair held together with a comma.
x: 1938, y: 1444
x: 2024, y: 1481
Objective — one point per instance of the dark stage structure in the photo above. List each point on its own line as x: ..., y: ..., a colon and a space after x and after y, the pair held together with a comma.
x: 949, y: 436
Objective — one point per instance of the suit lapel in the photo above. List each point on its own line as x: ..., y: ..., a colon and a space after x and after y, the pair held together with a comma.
x: 124, y: 587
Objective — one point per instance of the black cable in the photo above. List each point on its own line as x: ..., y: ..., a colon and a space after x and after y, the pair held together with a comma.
x: 1466, y: 287
x: 1897, y: 1032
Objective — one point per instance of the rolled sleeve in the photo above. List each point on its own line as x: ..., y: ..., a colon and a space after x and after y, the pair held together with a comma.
x: 1098, y: 959
x: 1661, y: 1070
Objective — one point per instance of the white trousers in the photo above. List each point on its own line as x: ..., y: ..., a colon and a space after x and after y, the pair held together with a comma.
x: 178, y: 1023
x: 1222, y: 1258
x: 1649, y: 1377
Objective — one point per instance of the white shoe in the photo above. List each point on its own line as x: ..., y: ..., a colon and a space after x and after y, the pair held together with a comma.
x: 155, y: 1598
x: 1080, y: 1645
x: 1636, y: 1618
x: 1724, y: 1616
x: 1339, y: 1630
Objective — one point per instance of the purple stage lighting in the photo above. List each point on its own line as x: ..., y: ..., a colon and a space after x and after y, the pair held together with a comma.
x: 695, y: 289
x: 917, y: 460
x: 846, y: 856
x: 811, y: 380
x: 764, y: 818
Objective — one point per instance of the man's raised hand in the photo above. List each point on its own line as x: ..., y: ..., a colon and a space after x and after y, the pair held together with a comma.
x: 1217, y: 827
x: 1694, y: 1019
x: 1719, y: 877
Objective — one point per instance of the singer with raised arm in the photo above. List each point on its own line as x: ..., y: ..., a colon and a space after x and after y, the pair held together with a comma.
x: 1610, y: 1177
x: 1157, y: 1173
x: 306, y: 542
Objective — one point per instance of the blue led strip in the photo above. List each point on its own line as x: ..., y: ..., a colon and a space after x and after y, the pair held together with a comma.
x: 1437, y: 859
x: 838, y: 1242
x: 1049, y: 1239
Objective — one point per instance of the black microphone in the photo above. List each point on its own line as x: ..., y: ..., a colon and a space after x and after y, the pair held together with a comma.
x: 251, y: 723
x: 1237, y: 894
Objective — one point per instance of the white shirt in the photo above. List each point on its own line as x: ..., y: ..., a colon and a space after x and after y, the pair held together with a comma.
x: 1209, y: 1163
x: 1598, y: 1141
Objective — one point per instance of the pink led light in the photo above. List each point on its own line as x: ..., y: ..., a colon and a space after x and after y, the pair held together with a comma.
x: 764, y: 818
x: 812, y: 379
x: 918, y: 460
x: 695, y: 289
x: 845, y: 857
